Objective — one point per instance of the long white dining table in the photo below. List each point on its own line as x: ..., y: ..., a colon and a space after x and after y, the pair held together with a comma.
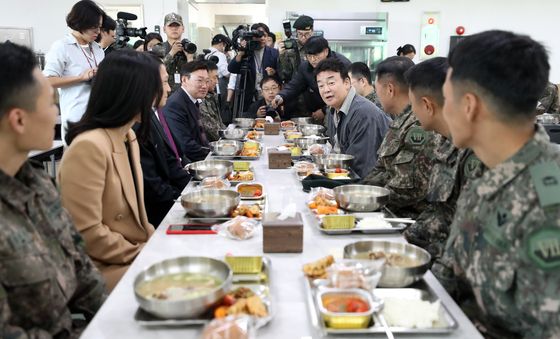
x: 115, y: 319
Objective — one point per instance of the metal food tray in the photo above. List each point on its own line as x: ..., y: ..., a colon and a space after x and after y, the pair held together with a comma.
x: 258, y: 283
x: 351, y: 174
x: 238, y: 157
x: 397, y: 227
x: 235, y: 182
x: 420, y: 290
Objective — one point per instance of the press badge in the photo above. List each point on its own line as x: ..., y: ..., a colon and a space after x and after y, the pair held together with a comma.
x: 177, y: 78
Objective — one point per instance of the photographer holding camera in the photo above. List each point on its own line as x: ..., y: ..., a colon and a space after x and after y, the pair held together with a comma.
x: 261, y: 60
x: 177, y: 52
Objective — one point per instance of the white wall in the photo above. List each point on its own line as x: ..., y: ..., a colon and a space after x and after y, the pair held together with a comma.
x: 535, y: 18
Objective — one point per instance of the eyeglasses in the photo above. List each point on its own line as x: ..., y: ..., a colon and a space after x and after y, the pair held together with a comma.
x: 313, y: 57
x: 201, y: 82
x: 270, y: 89
x: 304, y: 34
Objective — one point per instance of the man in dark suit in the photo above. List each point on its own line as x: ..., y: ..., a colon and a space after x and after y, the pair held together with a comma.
x: 263, y: 61
x: 183, y: 114
x: 162, y: 165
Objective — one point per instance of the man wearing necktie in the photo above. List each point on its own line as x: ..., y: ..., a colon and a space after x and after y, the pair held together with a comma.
x: 355, y: 125
x: 183, y: 113
x: 162, y: 163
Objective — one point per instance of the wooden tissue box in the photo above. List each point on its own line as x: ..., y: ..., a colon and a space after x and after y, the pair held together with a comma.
x: 272, y: 128
x: 282, y: 236
x: 279, y: 159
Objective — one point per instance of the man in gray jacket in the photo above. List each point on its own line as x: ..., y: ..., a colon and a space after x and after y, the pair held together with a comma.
x: 316, y: 50
x: 355, y: 125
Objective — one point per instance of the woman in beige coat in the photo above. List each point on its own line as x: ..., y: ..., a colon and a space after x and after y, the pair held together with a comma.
x: 100, y: 175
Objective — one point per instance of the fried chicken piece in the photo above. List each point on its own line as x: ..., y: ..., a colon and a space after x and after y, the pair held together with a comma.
x: 256, y: 307
x: 318, y: 269
x: 238, y: 308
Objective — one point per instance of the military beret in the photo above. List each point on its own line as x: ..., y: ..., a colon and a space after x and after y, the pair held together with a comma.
x: 304, y: 22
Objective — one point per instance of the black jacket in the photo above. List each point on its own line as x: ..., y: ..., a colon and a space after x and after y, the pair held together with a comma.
x: 270, y: 59
x: 182, y: 118
x: 164, y: 177
x: 304, y: 82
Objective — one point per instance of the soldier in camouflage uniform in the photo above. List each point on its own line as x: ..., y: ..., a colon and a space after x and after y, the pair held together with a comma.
x: 451, y: 167
x: 175, y: 55
x: 360, y: 76
x: 210, y: 117
x: 45, y: 273
x: 405, y: 156
x: 502, y: 259
x: 549, y: 101
x: 290, y: 59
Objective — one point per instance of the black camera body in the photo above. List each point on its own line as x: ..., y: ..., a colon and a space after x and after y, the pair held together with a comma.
x: 244, y: 33
x: 123, y: 33
x: 289, y: 43
x: 188, y: 46
x: 271, y: 111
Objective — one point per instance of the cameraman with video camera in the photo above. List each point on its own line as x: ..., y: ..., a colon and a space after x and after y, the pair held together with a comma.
x: 177, y: 52
x: 260, y: 59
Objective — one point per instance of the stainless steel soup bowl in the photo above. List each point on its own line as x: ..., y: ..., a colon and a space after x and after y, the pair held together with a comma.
x: 226, y: 147
x: 186, y: 308
x: 361, y: 198
x: 244, y: 122
x: 210, y: 203
x: 210, y: 168
x: 392, y: 276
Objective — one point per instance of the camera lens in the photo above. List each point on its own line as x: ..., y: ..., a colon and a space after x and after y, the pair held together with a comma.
x: 188, y: 46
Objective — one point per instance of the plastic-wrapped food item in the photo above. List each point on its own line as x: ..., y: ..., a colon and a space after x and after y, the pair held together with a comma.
x: 304, y: 168
x: 239, y: 228
x: 322, y: 192
x: 364, y: 274
x: 215, y: 183
x: 232, y: 327
x: 317, y: 149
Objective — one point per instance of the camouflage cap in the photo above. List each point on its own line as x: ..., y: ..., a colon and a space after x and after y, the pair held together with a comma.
x: 173, y: 18
x: 304, y: 22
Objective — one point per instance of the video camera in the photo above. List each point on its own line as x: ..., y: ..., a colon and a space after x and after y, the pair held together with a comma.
x: 289, y: 43
x: 123, y: 33
x: 243, y: 33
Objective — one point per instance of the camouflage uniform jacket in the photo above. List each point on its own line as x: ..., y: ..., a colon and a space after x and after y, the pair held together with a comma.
x: 210, y: 116
x: 287, y: 67
x: 404, y: 164
x: 173, y: 66
x: 45, y: 273
x: 549, y: 101
x: 451, y: 170
x: 375, y: 99
x: 505, y: 244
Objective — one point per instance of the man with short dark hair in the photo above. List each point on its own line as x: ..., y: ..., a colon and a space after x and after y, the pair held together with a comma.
x: 452, y: 167
x: 46, y: 275
x: 405, y: 156
x: 183, y: 113
x: 505, y: 237
x: 360, y: 76
x: 175, y: 54
x: 210, y: 106
x: 316, y: 49
x: 356, y: 126
x: 106, y: 37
